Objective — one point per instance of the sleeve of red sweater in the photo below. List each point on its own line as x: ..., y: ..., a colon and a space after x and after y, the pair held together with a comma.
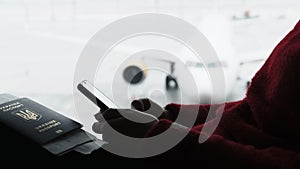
x: 218, y: 152
x: 201, y: 110
x: 173, y: 110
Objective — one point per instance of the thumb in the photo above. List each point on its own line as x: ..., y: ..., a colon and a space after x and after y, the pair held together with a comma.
x: 148, y: 106
x: 141, y: 104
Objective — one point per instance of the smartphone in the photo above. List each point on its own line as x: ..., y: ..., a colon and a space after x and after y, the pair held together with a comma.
x: 95, y: 95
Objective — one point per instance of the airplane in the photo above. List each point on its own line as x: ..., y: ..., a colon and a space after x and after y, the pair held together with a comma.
x: 137, y: 76
x: 171, y: 85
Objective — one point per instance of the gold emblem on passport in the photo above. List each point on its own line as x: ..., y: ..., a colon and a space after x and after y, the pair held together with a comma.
x: 28, y: 115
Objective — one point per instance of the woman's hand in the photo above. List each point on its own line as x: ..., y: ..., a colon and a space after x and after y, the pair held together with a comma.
x: 129, y: 122
x: 150, y: 107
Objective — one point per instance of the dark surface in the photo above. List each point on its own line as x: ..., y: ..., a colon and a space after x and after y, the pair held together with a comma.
x: 16, y: 150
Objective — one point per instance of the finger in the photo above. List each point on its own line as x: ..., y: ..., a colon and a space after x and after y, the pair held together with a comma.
x: 110, y: 127
x: 145, y: 104
x: 125, y: 127
x: 148, y: 106
x: 98, y: 127
x: 107, y: 115
x: 173, y: 107
x: 137, y: 116
x: 141, y: 104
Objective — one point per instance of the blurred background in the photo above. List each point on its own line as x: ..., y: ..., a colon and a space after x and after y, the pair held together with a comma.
x: 41, y: 40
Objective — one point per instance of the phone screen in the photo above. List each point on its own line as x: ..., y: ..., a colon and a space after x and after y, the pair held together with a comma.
x: 95, y: 95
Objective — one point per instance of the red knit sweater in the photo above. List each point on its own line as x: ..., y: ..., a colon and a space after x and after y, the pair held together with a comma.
x: 260, y: 131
